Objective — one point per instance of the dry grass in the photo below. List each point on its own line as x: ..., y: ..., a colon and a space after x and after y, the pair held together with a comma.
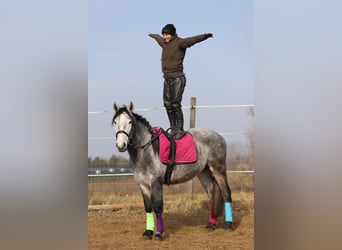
x: 125, y: 191
x: 107, y: 198
x: 108, y: 190
x: 242, y: 201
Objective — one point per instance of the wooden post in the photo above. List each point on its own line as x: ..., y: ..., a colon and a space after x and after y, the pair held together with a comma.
x: 192, y: 112
x: 192, y: 125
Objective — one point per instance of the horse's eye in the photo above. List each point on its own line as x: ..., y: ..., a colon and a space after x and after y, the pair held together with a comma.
x: 130, y: 122
x: 114, y: 122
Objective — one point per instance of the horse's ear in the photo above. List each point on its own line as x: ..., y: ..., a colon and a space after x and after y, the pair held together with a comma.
x: 115, y: 107
x: 131, y: 106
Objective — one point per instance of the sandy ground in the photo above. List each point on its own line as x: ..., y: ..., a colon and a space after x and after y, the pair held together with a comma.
x: 184, y: 227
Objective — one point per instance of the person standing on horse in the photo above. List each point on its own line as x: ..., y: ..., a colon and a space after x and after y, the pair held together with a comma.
x: 173, y: 53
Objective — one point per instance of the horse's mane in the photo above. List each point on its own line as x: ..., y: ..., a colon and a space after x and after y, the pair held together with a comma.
x: 155, y: 143
x: 143, y: 121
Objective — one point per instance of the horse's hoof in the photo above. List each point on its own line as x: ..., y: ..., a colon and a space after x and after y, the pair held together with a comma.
x: 148, y: 234
x: 228, y: 225
x: 211, y: 226
x: 158, y: 236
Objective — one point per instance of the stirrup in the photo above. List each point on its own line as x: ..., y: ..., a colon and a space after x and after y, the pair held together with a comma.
x: 169, y: 133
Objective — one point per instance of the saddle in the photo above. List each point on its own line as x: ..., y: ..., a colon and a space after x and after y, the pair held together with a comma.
x: 186, y: 151
x: 177, y: 151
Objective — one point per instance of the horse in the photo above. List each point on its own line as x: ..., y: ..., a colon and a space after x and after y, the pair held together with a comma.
x: 135, y: 135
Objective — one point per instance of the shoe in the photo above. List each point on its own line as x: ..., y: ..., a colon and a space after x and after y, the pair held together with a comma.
x: 179, y: 134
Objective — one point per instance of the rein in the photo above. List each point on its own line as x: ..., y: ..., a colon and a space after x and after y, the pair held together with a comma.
x: 153, y: 138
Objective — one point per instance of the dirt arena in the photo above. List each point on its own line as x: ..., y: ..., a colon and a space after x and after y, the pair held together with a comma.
x: 121, y: 227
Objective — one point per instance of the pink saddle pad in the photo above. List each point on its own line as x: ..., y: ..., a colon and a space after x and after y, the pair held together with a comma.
x: 185, y: 148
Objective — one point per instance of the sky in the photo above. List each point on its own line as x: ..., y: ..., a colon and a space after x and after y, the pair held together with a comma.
x: 124, y: 64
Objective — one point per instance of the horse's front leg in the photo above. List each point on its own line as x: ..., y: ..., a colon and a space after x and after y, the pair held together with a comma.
x: 157, y: 203
x: 146, y: 193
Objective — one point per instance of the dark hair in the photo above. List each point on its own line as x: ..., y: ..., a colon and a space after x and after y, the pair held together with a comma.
x: 169, y: 29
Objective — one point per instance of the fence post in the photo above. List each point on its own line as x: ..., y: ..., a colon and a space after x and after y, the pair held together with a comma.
x: 192, y: 125
x: 192, y: 112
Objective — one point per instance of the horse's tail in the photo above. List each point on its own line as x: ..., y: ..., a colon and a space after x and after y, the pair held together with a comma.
x: 217, y: 201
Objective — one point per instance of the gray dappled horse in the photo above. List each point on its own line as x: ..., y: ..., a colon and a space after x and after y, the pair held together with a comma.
x: 135, y: 134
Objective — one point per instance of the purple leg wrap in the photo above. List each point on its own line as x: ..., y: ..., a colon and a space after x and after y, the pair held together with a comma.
x: 212, y: 220
x: 160, y: 224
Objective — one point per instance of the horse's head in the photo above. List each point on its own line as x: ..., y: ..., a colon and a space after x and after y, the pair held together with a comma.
x: 123, y: 125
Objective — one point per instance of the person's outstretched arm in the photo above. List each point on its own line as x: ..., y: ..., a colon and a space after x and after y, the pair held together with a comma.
x: 158, y: 38
x: 189, y: 41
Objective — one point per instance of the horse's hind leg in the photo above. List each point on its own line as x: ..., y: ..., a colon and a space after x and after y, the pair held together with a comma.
x: 222, y: 182
x: 206, y: 181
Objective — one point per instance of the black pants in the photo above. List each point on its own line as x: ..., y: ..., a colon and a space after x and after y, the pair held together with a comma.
x: 172, y: 97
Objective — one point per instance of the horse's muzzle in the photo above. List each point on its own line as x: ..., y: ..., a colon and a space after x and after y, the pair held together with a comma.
x: 121, y: 140
x: 122, y: 147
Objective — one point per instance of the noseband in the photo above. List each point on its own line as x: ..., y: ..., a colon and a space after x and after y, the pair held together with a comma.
x: 122, y: 132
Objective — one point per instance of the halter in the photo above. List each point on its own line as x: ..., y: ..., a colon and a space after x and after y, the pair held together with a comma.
x: 130, y: 135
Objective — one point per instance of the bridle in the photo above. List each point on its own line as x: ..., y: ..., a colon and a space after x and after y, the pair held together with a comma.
x: 129, y: 135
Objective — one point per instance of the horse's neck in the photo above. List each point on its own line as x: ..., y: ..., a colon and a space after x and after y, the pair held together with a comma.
x: 142, y: 136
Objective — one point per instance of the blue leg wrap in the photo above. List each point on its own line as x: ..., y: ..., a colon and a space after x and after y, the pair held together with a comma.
x: 229, y: 216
